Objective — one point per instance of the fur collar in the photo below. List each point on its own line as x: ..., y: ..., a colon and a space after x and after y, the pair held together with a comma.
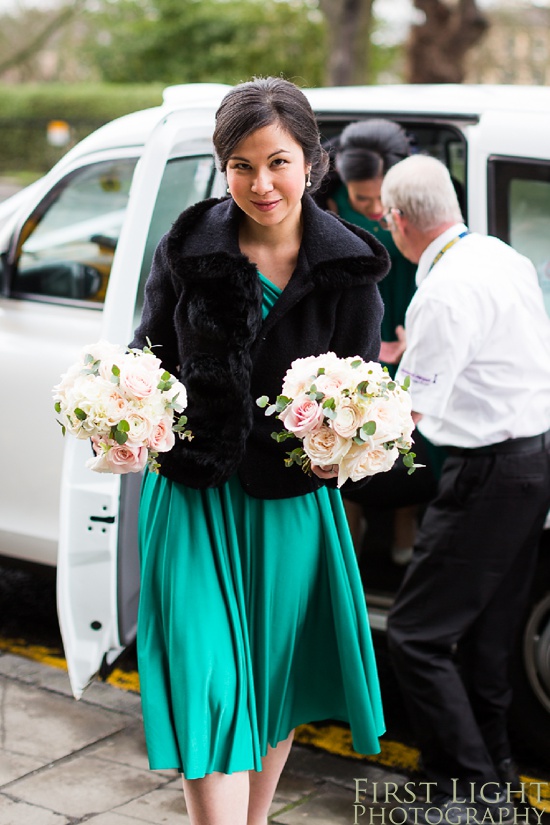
x: 334, y: 253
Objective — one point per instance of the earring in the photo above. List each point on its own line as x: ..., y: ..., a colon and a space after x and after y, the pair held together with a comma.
x: 228, y: 190
x: 308, y: 179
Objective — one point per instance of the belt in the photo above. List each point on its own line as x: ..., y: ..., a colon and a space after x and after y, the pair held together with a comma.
x: 528, y: 444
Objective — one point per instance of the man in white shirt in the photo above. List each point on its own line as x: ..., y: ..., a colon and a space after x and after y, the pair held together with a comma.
x: 478, y: 359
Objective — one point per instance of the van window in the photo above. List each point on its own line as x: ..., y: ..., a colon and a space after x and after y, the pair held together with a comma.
x: 444, y: 141
x: 185, y: 181
x: 519, y: 211
x: 66, y: 247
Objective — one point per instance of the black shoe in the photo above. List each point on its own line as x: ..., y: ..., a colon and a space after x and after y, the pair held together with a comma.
x: 508, y: 773
x: 496, y: 807
x: 442, y: 810
x: 450, y: 810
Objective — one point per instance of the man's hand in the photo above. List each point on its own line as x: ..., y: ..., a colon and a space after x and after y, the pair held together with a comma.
x: 391, y: 352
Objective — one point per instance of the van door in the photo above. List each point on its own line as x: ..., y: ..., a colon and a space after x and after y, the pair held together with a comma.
x: 98, y: 569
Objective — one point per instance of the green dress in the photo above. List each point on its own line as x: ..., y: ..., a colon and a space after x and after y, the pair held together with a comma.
x: 399, y: 286
x: 252, y: 621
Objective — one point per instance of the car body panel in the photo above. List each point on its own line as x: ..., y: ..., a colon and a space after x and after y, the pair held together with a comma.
x: 96, y: 587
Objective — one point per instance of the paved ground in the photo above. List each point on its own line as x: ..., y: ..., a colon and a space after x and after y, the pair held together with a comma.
x: 64, y: 762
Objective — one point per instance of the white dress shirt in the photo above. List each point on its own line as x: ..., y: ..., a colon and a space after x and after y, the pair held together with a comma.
x: 478, y: 343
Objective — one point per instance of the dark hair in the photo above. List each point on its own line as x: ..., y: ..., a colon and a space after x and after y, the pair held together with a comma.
x: 262, y: 102
x: 369, y: 148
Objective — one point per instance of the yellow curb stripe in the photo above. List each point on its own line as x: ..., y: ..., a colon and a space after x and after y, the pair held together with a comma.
x: 331, y: 738
x: 338, y: 740
x: 44, y: 655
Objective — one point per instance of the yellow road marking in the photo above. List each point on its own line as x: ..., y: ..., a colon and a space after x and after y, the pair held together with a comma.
x: 331, y: 738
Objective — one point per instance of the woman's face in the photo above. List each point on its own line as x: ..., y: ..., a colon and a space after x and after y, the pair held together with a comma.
x: 266, y: 176
x: 364, y: 196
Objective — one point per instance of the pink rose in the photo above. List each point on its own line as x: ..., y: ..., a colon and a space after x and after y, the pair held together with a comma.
x: 137, y: 381
x: 117, y: 458
x: 302, y: 416
x: 162, y: 438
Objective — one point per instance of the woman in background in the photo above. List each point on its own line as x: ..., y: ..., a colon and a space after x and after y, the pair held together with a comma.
x: 361, y: 157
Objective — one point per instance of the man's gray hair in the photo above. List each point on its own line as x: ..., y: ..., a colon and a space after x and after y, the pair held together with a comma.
x: 421, y: 187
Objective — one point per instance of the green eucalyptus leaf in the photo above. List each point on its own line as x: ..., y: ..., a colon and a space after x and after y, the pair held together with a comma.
x: 369, y: 428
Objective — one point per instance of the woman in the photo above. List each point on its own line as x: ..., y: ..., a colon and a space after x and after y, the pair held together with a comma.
x: 363, y: 154
x: 252, y: 616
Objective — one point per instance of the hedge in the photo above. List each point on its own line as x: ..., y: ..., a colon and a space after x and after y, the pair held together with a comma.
x: 26, y: 110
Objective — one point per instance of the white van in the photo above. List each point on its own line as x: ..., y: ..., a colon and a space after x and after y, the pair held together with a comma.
x: 75, y: 252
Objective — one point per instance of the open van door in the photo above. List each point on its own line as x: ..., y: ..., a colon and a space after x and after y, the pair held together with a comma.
x: 98, y: 568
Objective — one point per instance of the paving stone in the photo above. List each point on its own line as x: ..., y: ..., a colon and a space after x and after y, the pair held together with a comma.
x: 127, y: 746
x: 306, y: 762
x: 326, y: 807
x: 291, y: 789
x: 57, y: 680
x: 112, y: 818
x: 164, y: 806
x: 14, y: 765
x: 84, y: 786
x: 46, y: 727
x: 19, y: 813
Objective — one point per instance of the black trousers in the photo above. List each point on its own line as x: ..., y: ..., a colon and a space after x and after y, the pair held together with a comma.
x: 453, y: 625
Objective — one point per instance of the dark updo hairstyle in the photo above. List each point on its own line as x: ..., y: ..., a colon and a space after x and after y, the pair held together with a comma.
x: 263, y: 102
x: 369, y: 148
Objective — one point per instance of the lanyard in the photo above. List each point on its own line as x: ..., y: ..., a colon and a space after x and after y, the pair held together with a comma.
x: 446, y: 247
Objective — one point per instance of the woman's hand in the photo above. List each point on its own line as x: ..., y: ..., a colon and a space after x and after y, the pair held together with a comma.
x: 325, y: 471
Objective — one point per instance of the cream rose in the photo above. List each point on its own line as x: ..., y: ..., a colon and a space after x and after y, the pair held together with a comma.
x: 324, y: 446
x: 360, y: 461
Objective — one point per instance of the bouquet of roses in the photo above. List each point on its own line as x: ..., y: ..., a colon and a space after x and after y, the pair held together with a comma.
x: 125, y: 402
x: 347, y: 412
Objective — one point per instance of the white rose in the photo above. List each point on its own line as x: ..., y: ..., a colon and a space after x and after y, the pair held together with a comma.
x: 103, y: 351
x: 324, y: 446
x: 303, y: 372
x: 351, y: 414
x: 177, y: 389
x: 141, y: 429
x: 371, y: 371
x: 360, y: 461
x: 115, y: 409
x: 386, y: 414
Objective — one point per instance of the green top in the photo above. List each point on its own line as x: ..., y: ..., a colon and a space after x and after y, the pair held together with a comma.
x: 398, y: 287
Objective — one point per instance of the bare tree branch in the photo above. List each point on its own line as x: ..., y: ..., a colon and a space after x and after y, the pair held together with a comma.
x: 30, y: 48
x: 438, y: 47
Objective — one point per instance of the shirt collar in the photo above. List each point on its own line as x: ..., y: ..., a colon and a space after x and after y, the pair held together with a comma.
x: 427, y: 257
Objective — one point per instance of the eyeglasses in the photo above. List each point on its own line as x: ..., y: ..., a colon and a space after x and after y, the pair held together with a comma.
x: 386, y: 220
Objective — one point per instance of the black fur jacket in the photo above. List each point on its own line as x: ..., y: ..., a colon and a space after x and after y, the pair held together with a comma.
x: 203, y: 305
